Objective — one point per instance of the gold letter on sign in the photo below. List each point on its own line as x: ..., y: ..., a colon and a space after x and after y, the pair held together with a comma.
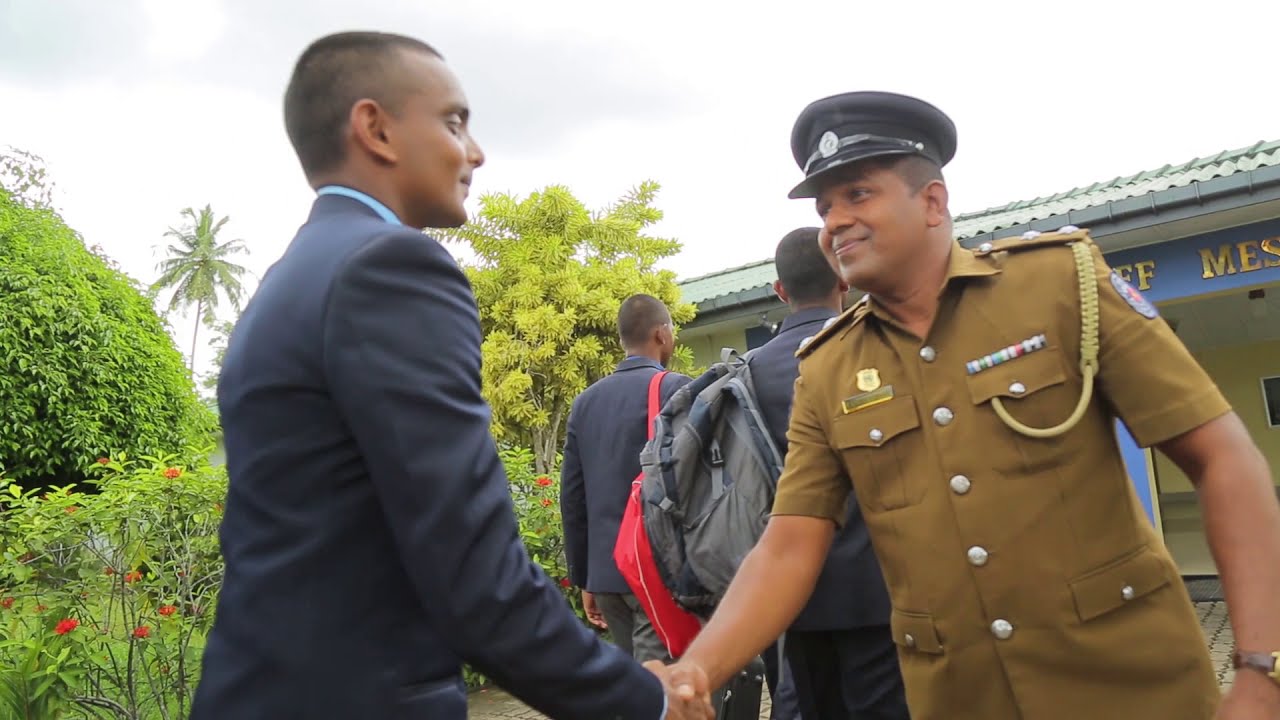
x: 1146, y: 271
x: 1221, y: 264
x: 1271, y: 246
x: 1249, y: 256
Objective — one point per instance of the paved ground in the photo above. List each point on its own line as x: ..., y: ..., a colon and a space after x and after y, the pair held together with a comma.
x: 497, y: 705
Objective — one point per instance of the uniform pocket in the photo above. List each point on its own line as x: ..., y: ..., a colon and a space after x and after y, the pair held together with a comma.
x: 1019, y: 379
x: 1118, y: 583
x: 875, y: 444
x: 915, y: 631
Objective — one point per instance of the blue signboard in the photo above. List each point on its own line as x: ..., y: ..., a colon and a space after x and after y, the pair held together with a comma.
x: 1235, y: 258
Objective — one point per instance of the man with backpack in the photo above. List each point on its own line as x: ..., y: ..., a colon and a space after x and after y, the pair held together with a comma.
x: 608, y: 426
x: 839, y: 649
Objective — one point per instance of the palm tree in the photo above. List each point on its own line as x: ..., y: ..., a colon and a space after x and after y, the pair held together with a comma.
x: 199, y: 270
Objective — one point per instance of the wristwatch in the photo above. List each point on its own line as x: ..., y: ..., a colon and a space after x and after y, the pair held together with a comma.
x: 1267, y: 663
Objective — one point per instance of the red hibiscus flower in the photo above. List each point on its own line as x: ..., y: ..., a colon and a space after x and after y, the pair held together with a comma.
x: 173, y: 473
x: 564, y: 582
x: 546, y: 502
x: 66, y: 626
x: 167, y: 610
x: 6, y: 603
x: 141, y: 632
x: 543, y: 480
x: 104, y: 461
x: 132, y: 576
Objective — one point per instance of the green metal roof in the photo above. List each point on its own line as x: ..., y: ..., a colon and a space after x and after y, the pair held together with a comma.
x: 727, y: 282
x: 1263, y: 154
x: 1225, y: 163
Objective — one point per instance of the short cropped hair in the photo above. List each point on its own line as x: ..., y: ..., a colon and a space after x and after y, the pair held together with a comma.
x: 331, y: 75
x: 804, y: 272
x: 638, y: 317
x: 915, y: 170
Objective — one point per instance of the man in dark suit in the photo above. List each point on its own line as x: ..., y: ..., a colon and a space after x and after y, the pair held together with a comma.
x: 369, y: 537
x: 840, y: 650
x: 608, y: 427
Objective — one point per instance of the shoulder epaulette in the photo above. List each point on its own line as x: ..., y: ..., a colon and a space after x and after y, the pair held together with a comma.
x: 1031, y: 240
x: 846, y: 319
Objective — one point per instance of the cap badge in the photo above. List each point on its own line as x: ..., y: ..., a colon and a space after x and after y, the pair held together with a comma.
x: 828, y: 144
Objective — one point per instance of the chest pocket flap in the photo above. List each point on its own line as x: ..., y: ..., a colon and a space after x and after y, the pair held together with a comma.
x: 1101, y: 591
x: 876, y: 425
x: 1019, y: 377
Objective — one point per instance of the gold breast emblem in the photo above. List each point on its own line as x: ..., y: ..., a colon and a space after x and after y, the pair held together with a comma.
x: 868, y: 379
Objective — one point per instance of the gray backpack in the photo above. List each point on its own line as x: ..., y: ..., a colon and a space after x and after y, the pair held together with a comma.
x: 709, y: 477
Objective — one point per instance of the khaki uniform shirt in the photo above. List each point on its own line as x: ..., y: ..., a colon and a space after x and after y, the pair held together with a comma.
x: 1025, y: 578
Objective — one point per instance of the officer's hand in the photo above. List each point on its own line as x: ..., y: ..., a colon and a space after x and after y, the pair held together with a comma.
x: 688, y: 690
x: 1252, y: 697
x: 594, y: 616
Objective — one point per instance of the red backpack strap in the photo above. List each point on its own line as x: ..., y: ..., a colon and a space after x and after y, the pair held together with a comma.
x: 655, y: 398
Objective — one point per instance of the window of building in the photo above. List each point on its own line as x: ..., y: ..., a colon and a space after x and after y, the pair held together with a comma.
x: 759, y: 335
x: 1271, y: 396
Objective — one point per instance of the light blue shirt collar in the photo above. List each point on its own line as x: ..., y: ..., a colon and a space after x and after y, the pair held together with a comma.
x: 383, y: 211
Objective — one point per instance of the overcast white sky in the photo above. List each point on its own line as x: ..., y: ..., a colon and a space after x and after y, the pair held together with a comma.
x: 143, y: 107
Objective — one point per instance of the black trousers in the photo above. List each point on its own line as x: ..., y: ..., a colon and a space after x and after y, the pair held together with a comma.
x: 630, y: 628
x: 847, y: 674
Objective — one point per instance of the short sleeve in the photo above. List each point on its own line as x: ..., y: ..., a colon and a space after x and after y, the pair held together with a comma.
x: 813, y: 481
x: 1145, y: 373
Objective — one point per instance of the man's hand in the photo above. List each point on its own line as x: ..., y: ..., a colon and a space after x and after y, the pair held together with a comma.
x: 688, y: 690
x: 594, y: 616
x: 1252, y: 697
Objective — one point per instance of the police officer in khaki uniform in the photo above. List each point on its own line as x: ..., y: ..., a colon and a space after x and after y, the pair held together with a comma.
x: 969, y: 401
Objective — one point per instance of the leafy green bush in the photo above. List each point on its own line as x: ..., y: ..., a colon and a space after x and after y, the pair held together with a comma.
x: 87, y: 368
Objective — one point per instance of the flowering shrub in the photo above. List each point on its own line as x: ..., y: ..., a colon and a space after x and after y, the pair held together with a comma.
x: 536, y: 498
x: 107, y: 592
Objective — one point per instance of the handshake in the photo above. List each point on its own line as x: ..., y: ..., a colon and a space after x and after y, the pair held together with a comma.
x: 688, y: 690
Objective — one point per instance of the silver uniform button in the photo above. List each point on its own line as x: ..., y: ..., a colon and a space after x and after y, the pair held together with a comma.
x: 960, y: 484
x: 1002, y: 629
x: 928, y: 354
x: 985, y: 247
x: 943, y: 416
x: 909, y: 640
x: 978, y: 556
x: 876, y: 435
x: 1017, y: 388
x: 1127, y: 592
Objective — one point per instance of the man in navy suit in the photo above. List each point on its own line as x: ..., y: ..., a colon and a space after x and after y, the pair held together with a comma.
x: 608, y: 426
x: 839, y: 648
x: 369, y: 537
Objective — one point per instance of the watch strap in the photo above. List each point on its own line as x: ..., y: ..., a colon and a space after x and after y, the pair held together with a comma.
x: 1266, y: 663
